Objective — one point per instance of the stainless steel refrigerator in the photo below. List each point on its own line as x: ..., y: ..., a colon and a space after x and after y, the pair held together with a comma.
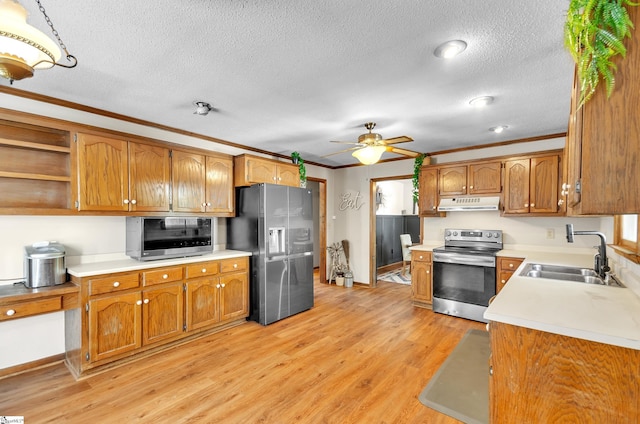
x: 275, y: 223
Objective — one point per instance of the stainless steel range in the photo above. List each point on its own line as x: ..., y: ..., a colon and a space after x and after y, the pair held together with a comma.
x: 464, y: 272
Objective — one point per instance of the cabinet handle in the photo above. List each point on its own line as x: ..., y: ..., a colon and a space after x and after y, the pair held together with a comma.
x: 134, y: 201
x: 279, y: 178
x: 526, y: 205
x: 165, y: 276
x: 464, y: 187
x: 274, y: 178
x: 503, y: 281
x: 428, y: 272
x: 235, y: 265
x: 204, y: 204
x: 510, y: 265
x: 217, y: 286
x: 471, y: 187
x: 222, y: 285
x: 139, y: 302
x: 11, y: 312
x: 208, y: 204
x: 533, y: 205
x: 560, y: 202
x: 490, y: 369
x: 146, y: 301
x: 116, y: 284
x: 204, y: 269
x: 433, y: 207
x: 126, y: 201
x: 420, y: 256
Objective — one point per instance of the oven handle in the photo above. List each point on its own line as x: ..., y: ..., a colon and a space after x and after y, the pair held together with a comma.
x: 462, y: 259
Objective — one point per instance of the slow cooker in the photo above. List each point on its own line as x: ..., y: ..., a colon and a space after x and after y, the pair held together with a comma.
x: 44, y: 265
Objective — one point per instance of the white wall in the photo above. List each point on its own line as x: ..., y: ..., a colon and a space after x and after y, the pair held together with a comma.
x: 397, y: 197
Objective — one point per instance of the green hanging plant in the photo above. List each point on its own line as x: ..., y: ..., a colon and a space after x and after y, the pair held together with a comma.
x: 297, y: 159
x: 594, y: 34
x: 417, y: 165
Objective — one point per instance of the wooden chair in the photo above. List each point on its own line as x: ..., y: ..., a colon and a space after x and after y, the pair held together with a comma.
x: 405, y: 242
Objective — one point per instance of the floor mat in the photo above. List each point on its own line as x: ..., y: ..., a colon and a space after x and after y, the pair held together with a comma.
x: 396, y: 277
x: 460, y: 388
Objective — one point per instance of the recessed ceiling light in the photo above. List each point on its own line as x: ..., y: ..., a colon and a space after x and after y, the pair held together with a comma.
x: 450, y: 49
x: 481, y: 101
x: 498, y: 129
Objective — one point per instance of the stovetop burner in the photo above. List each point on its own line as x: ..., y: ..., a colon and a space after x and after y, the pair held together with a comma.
x: 486, y: 251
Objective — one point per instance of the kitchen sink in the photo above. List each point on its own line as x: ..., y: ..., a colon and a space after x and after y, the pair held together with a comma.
x: 567, y: 273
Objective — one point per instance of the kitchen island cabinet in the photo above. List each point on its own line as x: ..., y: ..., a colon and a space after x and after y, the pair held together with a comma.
x: 147, y: 308
x: 538, y: 376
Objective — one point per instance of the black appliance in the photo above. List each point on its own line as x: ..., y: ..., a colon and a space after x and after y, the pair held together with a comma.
x: 171, y: 237
x: 275, y: 224
x: 464, y: 272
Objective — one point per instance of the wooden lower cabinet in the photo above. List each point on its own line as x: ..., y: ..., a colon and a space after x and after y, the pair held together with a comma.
x: 125, y: 314
x: 421, y: 292
x: 540, y: 377
x: 506, y: 267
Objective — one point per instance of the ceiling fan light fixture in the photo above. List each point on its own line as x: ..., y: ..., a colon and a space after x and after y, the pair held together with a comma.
x: 498, y: 129
x: 481, y: 101
x: 450, y: 49
x: 369, y: 154
x: 24, y: 48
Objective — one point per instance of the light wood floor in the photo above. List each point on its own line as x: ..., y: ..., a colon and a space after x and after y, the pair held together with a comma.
x: 360, y: 355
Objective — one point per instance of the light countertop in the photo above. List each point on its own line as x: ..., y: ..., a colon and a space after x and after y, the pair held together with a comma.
x: 128, y: 264
x: 597, y: 313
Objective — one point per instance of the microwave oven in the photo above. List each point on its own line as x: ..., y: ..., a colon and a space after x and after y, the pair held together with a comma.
x: 150, y: 238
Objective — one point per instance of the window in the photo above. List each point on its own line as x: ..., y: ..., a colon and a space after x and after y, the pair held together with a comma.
x: 626, y: 236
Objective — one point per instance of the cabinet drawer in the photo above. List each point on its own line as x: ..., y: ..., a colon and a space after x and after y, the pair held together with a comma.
x: 162, y: 275
x: 236, y: 264
x: 420, y: 256
x: 34, y: 307
x: 113, y: 283
x: 510, y: 264
x: 202, y: 269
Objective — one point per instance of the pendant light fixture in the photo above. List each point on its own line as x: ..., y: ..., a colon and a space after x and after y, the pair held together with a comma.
x: 24, y: 48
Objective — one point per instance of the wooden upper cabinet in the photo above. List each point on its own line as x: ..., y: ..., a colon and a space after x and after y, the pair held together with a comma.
x: 188, y: 171
x: 149, y: 178
x: 604, y: 141
x: 453, y: 180
x: 474, y: 178
x: 531, y: 185
x: 219, y: 185
x: 250, y: 170
x: 103, y: 173
x: 485, y: 178
x: 428, y: 191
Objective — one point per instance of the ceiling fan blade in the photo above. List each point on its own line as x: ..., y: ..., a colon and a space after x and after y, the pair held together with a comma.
x: 396, y: 140
x: 344, y: 142
x: 343, y: 151
x: 404, y: 152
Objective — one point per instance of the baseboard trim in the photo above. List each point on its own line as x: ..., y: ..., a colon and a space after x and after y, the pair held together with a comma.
x: 30, y: 366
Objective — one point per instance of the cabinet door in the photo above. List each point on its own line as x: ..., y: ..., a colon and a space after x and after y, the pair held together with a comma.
x: 202, y: 305
x: 485, y: 178
x: 288, y: 175
x: 219, y: 185
x: 453, y: 180
x: 260, y: 171
x: 103, y: 174
x: 149, y: 178
x: 516, y: 186
x: 421, y: 280
x: 428, y: 191
x: 188, y: 173
x: 114, y: 325
x: 573, y: 153
x: 544, y: 184
x: 162, y: 314
x: 234, y: 296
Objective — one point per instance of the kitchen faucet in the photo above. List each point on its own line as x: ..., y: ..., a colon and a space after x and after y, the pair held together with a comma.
x: 601, y: 265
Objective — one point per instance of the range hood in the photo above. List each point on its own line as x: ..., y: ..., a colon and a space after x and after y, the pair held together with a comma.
x: 469, y: 204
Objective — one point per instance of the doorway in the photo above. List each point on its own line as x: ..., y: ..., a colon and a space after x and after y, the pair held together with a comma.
x: 392, y: 213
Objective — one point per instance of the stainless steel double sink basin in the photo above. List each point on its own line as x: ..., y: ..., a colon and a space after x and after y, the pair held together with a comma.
x: 566, y: 273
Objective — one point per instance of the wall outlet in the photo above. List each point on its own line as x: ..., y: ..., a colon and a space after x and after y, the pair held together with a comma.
x: 551, y: 234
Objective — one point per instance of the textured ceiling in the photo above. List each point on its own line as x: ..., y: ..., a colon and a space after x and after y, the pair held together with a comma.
x: 293, y: 75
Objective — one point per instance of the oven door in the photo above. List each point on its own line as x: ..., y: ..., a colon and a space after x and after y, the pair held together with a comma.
x: 466, y: 278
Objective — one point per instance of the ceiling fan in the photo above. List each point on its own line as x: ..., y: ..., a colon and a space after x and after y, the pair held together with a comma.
x: 370, y: 146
